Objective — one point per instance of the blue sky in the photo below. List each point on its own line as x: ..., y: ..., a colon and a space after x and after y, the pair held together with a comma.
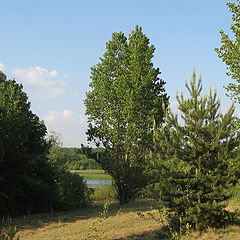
x: 50, y: 45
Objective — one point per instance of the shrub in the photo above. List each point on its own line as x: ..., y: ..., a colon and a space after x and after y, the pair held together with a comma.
x: 104, y: 193
x: 26, y: 178
x: 73, y: 191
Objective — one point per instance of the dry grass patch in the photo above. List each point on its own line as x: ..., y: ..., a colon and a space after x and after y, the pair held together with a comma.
x: 122, y: 223
x: 229, y: 233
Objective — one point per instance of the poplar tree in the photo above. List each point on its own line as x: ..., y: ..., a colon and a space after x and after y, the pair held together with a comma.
x: 229, y: 52
x: 195, y: 162
x: 126, y: 98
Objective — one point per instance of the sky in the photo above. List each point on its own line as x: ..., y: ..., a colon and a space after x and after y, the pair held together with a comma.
x: 49, y: 46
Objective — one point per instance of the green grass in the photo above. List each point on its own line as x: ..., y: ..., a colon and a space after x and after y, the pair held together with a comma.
x: 93, y: 174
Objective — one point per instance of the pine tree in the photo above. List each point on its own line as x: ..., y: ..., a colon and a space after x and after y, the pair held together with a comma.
x: 195, y: 160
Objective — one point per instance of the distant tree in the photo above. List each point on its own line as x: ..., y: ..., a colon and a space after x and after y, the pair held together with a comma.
x: 68, y: 158
x: 195, y: 162
x: 229, y: 52
x: 125, y: 101
x: 55, y: 151
x: 54, y: 139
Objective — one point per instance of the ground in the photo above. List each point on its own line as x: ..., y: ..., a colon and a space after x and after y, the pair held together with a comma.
x: 132, y: 221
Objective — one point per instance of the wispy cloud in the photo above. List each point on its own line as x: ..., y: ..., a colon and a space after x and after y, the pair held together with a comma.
x: 45, y: 83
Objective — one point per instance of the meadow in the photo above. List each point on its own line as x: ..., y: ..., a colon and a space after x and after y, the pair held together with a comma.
x: 93, y: 174
x: 139, y: 219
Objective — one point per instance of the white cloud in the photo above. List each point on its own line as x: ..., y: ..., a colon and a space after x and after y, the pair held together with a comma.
x: 72, y: 126
x: 45, y: 83
x: 59, y: 116
x: 2, y: 67
x: 67, y: 113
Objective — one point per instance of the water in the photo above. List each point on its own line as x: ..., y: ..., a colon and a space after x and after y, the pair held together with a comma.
x: 93, y: 183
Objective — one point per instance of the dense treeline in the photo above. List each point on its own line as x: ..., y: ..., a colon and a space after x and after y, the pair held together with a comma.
x: 72, y: 158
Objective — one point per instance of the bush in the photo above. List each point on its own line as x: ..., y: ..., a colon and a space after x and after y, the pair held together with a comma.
x: 73, y: 191
x: 104, y: 193
x: 26, y: 177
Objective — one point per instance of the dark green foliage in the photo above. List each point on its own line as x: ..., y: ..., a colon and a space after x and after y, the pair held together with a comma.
x: 72, y: 190
x: 229, y: 52
x: 29, y: 183
x: 195, y: 162
x: 126, y: 98
x: 25, y: 176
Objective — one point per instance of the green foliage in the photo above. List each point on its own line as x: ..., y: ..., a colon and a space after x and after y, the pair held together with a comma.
x: 94, y: 232
x: 229, y: 52
x: 104, y: 193
x: 26, y: 181
x: 73, y: 191
x: 168, y: 231
x: 72, y: 159
x: 195, y: 163
x: 29, y: 183
x: 126, y: 98
x: 236, y: 193
x: 69, y: 158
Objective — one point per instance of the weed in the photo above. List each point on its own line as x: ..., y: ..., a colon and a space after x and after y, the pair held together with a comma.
x: 9, y: 233
x: 103, y: 214
x: 94, y: 232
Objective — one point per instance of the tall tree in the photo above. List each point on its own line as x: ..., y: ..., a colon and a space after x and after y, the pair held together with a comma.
x: 126, y: 99
x: 229, y: 52
x: 195, y: 161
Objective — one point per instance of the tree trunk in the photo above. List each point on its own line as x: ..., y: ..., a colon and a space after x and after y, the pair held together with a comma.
x: 196, y: 172
x: 123, y: 196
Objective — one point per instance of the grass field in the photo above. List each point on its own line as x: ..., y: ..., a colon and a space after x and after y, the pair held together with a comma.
x: 122, y: 223
x: 93, y: 174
